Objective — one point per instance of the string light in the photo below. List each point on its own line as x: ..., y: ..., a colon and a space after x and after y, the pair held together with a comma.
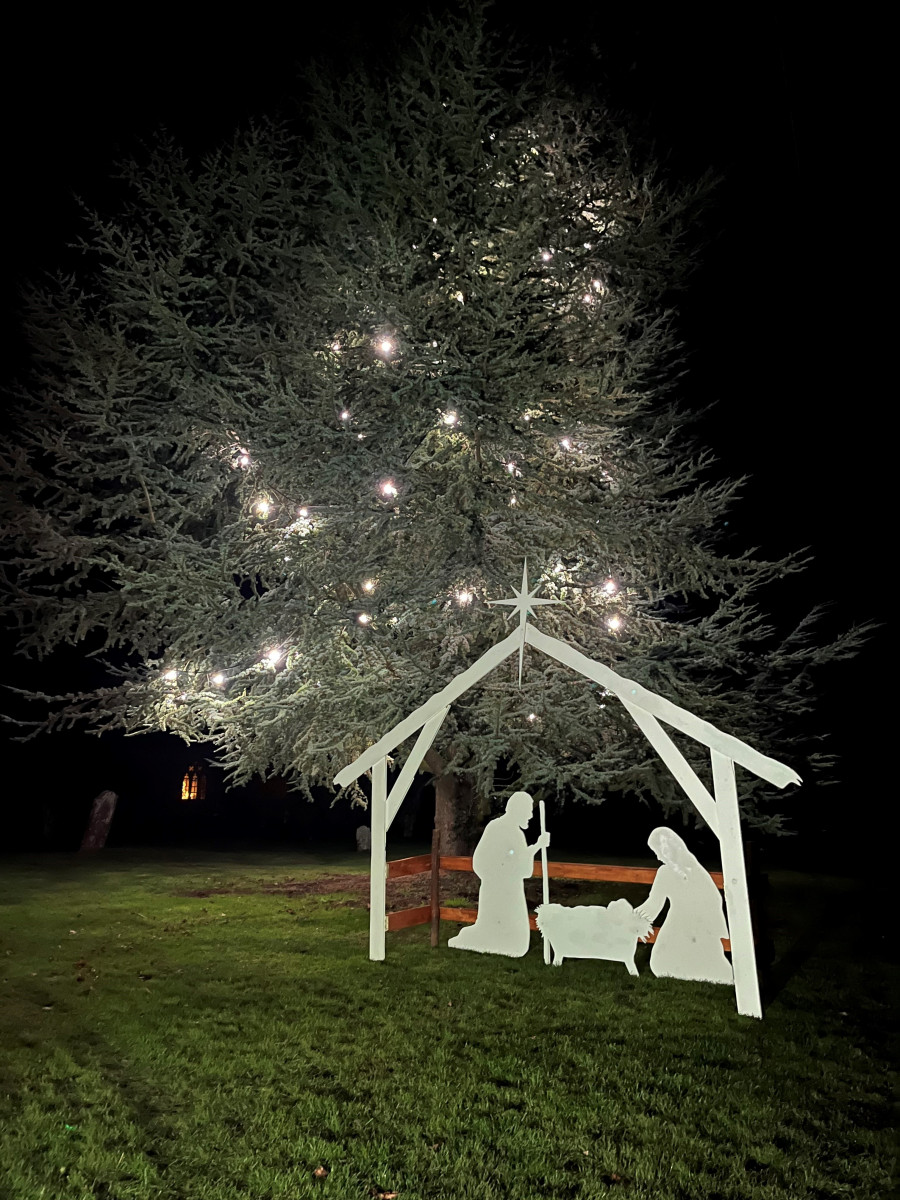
x: 513, y: 501
x: 388, y: 488
x: 335, y: 346
x: 532, y: 717
x: 171, y: 676
x: 566, y: 443
x: 364, y: 618
x: 263, y: 507
x: 614, y: 623
x: 465, y: 597
x: 368, y: 585
x: 450, y: 418
x: 244, y: 460
x: 303, y: 512
x: 546, y: 256
x: 610, y: 587
x: 345, y: 415
x: 386, y: 346
x: 218, y: 679
x: 272, y: 657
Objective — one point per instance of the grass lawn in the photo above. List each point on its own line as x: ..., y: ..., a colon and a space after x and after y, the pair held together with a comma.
x: 187, y: 1027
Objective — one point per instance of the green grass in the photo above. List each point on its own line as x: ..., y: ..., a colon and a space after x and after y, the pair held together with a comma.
x: 164, y: 1045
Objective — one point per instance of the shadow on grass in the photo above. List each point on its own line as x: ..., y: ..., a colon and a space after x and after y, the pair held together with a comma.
x: 826, y: 921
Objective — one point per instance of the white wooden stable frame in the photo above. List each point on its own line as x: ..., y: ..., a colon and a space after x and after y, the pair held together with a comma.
x: 719, y: 811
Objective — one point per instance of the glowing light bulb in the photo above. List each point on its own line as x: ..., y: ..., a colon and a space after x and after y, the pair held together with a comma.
x: 566, y: 443
x: 218, y: 679
x: 272, y: 657
x: 450, y: 418
x: 335, y: 346
x: 244, y: 460
x: 546, y: 256
x: 532, y: 717
x: 434, y: 220
x: 434, y: 344
x: 526, y: 417
x: 460, y: 297
x: 363, y: 618
x: 360, y: 436
x: 614, y: 623
x: 171, y: 675
x: 597, y: 285
x: 386, y: 346
x: 368, y: 585
x: 345, y: 415
x: 513, y: 501
x: 388, y: 488
x: 303, y: 512
x: 511, y: 467
x: 464, y: 597
x: 587, y: 245
x: 610, y: 587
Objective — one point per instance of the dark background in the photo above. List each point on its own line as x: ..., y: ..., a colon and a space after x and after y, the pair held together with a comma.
x: 780, y: 321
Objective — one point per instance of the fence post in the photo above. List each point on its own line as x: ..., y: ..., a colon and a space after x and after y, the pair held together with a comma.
x: 435, y: 887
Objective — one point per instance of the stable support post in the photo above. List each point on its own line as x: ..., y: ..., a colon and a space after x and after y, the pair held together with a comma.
x: 378, y: 867
x: 737, y: 897
x: 435, y: 887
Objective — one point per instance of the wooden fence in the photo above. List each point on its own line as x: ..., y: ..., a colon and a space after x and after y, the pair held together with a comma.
x: 435, y: 862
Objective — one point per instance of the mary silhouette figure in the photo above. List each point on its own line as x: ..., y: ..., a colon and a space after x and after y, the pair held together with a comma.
x: 503, y: 860
x: 689, y: 944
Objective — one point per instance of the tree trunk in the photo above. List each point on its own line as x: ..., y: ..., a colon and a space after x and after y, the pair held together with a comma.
x: 453, y: 800
x: 99, y: 821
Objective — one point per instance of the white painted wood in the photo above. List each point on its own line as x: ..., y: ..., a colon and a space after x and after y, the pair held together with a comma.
x: 412, y: 764
x: 545, y: 882
x: 440, y: 700
x: 737, y: 896
x: 503, y: 860
x: 378, y: 868
x: 677, y: 764
x: 689, y: 944
x: 592, y: 931
x: 523, y: 602
x: 679, y: 718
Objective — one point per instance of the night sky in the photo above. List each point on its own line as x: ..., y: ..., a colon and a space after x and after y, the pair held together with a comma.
x: 779, y: 320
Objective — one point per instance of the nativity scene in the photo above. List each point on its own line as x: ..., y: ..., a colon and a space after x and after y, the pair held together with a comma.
x: 689, y: 945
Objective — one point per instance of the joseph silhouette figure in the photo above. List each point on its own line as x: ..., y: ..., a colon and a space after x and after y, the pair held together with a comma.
x: 503, y: 860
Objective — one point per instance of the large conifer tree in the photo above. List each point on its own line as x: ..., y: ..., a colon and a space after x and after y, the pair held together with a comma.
x: 321, y: 393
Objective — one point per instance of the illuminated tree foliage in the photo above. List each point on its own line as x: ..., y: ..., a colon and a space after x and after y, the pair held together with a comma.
x: 315, y: 398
